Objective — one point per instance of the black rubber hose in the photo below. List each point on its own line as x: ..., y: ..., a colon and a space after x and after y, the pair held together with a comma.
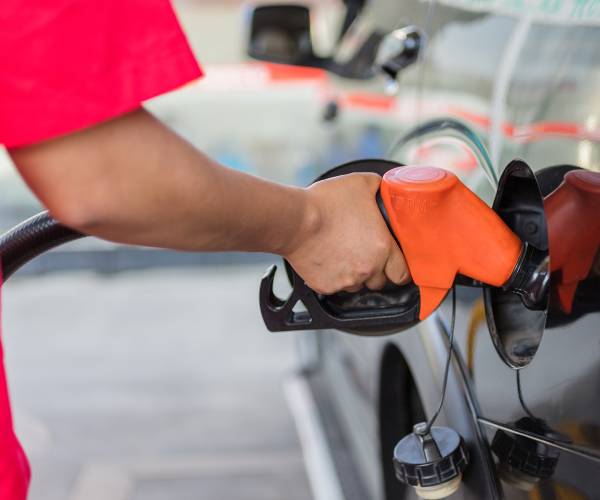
x: 31, y: 238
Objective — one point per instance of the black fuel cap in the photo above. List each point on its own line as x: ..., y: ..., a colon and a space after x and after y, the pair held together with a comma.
x: 431, y: 460
x: 524, y: 461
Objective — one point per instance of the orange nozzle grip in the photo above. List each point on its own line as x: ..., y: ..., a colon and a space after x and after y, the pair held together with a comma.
x: 573, y: 214
x: 444, y: 230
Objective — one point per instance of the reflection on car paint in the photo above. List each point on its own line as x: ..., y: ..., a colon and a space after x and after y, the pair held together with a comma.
x: 573, y: 214
x: 446, y: 129
x: 523, y: 462
x: 528, y: 448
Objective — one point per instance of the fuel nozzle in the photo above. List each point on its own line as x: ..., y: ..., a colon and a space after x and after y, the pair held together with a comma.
x: 446, y: 231
x: 448, y: 235
x: 573, y: 231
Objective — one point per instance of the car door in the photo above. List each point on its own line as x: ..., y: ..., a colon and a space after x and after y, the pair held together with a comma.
x: 525, y: 82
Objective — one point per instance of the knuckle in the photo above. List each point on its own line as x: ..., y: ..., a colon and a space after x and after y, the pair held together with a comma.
x: 330, y: 288
x: 364, y: 272
x: 399, y: 276
x: 381, y: 247
x: 350, y: 282
x: 404, y: 277
x: 364, y: 179
x: 370, y: 177
x: 376, y: 285
x: 318, y: 287
x: 373, y: 266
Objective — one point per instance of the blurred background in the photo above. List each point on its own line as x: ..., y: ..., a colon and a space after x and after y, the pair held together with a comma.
x: 147, y: 374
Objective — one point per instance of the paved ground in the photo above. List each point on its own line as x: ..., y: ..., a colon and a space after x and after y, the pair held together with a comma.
x: 154, y: 385
x: 160, y: 385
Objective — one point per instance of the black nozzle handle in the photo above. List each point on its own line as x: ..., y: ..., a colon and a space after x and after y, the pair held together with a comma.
x: 320, y: 312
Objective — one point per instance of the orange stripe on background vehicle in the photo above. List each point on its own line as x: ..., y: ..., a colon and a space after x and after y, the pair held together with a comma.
x: 261, y: 75
x: 367, y: 100
x: 284, y: 73
x: 530, y: 132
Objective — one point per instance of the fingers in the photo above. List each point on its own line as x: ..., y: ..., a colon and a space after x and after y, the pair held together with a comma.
x: 396, y: 269
x: 333, y: 287
x: 353, y: 289
x: 376, y: 282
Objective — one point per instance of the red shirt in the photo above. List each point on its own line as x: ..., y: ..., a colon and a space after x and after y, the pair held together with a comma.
x: 66, y: 65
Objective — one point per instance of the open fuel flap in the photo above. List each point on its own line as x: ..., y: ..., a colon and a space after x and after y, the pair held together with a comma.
x: 516, y: 326
x: 557, y: 210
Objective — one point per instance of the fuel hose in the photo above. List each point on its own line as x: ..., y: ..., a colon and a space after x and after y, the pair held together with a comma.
x: 31, y: 238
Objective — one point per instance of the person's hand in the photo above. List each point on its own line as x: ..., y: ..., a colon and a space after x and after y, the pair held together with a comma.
x: 344, y: 243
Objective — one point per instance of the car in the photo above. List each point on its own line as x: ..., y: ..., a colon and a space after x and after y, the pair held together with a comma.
x: 500, y: 93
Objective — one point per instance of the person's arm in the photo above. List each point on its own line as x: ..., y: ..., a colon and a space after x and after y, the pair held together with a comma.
x: 132, y: 180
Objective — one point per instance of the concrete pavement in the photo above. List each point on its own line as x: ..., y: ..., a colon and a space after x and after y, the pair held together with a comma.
x: 151, y: 385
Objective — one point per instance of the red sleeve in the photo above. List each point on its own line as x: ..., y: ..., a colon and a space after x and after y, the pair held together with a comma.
x: 69, y: 64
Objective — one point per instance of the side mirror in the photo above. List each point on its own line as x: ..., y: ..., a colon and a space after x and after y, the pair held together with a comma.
x: 399, y: 49
x: 282, y: 34
x: 315, y: 35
